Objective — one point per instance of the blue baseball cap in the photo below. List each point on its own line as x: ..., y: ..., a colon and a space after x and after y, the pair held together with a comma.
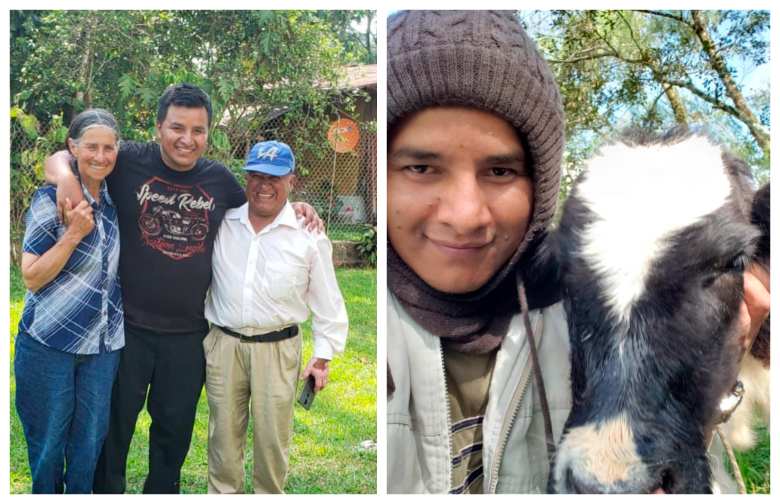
x: 272, y: 158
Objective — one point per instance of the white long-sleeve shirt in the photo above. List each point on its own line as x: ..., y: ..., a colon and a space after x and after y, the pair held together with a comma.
x: 264, y: 281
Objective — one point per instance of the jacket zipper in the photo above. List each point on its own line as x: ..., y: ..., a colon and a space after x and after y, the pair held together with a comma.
x: 517, y: 398
x: 449, y: 424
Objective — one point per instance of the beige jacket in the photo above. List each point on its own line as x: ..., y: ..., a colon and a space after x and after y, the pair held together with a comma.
x: 514, y: 453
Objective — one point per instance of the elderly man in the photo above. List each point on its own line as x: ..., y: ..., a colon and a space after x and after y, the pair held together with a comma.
x: 267, y: 269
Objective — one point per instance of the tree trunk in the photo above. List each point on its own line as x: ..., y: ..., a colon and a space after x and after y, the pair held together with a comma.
x: 753, y: 124
x: 84, y: 95
x: 368, y: 36
x: 16, y: 254
x: 680, y: 114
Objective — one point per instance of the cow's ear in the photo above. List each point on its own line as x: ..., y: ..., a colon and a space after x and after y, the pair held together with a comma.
x: 545, y: 254
x: 759, y: 216
x: 556, y: 246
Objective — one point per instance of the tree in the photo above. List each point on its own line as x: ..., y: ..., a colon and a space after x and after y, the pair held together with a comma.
x: 123, y: 60
x: 253, y: 64
x: 657, y: 69
x: 346, y: 23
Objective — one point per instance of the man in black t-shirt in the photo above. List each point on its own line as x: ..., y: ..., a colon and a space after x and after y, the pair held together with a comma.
x: 170, y: 202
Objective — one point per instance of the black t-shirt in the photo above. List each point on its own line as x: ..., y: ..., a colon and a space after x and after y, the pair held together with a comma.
x: 168, y: 221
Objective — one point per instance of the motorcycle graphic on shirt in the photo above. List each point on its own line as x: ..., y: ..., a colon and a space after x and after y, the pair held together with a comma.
x: 173, y: 222
x: 174, y: 218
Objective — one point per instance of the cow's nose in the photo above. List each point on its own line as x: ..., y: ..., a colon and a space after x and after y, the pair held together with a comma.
x: 578, y: 483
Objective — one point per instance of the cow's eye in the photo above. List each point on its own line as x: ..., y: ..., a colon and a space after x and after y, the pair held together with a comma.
x: 739, y: 262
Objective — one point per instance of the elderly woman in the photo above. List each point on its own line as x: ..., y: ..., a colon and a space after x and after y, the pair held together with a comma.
x: 71, y: 331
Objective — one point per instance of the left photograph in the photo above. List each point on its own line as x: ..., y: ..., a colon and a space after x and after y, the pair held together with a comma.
x: 193, y: 252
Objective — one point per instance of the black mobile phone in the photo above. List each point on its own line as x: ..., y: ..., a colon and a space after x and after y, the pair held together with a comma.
x: 306, y: 397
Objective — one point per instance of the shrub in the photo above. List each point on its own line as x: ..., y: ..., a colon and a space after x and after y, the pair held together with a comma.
x: 367, y: 245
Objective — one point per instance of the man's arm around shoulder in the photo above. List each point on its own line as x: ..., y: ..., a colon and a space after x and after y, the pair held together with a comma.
x: 56, y: 171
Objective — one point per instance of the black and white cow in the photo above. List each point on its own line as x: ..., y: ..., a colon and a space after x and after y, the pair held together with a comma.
x: 653, y: 242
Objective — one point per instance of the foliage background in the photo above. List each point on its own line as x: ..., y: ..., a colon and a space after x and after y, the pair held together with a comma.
x: 253, y: 64
x: 658, y: 69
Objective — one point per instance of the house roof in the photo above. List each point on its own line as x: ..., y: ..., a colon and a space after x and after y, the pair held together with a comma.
x: 362, y: 76
x: 357, y: 77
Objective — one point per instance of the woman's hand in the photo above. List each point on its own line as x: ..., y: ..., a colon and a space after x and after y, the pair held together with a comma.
x: 37, y: 271
x: 79, y: 221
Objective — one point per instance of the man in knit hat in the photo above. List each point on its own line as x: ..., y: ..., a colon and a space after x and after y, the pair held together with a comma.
x: 475, y: 125
x: 475, y: 143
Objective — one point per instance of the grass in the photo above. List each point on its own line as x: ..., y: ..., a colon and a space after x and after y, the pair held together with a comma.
x: 325, y: 456
x: 754, y: 465
x: 346, y: 232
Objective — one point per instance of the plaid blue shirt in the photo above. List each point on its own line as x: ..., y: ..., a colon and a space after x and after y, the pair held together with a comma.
x: 79, y: 311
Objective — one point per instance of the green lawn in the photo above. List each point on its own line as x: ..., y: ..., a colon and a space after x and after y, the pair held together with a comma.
x: 754, y: 465
x: 346, y: 232
x: 325, y: 455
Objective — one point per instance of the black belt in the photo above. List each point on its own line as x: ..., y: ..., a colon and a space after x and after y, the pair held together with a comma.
x: 281, y: 334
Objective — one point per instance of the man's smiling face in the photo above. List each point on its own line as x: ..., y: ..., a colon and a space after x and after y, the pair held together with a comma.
x: 267, y: 194
x: 183, y: 134
x: 459, y: 195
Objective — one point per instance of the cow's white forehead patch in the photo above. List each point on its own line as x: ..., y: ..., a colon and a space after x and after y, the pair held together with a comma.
x: 641, y: 196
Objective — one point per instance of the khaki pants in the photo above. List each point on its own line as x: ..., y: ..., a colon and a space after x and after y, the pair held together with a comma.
x: 237, y: 374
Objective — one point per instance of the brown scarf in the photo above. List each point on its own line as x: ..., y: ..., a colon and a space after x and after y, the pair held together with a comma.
x: 475, y: 323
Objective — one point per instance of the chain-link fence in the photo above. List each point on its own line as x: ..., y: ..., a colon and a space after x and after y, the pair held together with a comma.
x: 341, y: 186
x: 337, y: 176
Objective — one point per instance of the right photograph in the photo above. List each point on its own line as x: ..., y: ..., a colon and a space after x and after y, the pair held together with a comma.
x: 578, y: 252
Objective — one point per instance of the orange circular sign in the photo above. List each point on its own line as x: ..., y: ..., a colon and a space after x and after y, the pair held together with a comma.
x: 343, y: 135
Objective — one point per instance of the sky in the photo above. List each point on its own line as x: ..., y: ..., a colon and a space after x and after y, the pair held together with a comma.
x: 751, y: 78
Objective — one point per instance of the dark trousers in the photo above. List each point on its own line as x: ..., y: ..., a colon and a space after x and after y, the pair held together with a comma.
x: 61, y: 399
x: 172, y: 368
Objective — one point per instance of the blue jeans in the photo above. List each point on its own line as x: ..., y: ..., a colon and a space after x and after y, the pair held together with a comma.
x: 63, y: 402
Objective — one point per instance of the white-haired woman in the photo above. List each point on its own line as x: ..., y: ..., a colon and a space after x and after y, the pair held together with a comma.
x: 71, y: 331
